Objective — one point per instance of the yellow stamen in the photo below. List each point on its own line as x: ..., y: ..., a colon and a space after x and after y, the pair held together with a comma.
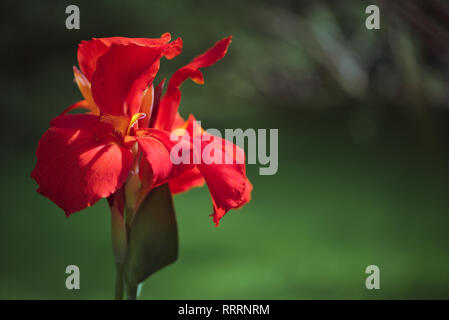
x: 136, y: 117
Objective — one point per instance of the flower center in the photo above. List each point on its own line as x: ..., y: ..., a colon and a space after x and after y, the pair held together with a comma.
x: 122, y: 124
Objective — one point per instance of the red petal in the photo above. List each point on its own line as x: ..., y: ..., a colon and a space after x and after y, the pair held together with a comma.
x: 122, y: 76
x: 227, y: 181
x: 173, y: 50
x: 165, y: 38
x: 169, y: 51
x: 208, y: 58
x: 75, y: 121
x: 88, y: 54
x: 90, y: 51
x: 170, y: 102
x: 75, y: 170
x: 188, y: 179
x: 156, y: 146
x: 247, y: 195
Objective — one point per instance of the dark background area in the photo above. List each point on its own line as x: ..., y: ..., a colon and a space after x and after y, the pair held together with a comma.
x: 363, y: 163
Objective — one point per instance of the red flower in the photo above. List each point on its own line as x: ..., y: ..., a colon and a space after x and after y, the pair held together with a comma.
x: 125, y: 134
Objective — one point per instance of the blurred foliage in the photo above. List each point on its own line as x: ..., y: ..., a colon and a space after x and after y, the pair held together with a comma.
x: 363, y: 160
x: 285, y: 54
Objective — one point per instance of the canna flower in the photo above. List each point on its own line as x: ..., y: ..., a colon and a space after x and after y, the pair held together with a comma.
x: 122, y: 143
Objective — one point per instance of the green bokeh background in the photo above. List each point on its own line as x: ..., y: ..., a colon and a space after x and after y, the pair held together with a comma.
x: 363, y: 162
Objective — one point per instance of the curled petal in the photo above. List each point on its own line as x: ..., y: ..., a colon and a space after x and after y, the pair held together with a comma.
x: 223, y: 168
x: 173, y: 50
x: 247, y: 194
x: 172, y: 98
x: 75, y: 168
x: 227, y: 183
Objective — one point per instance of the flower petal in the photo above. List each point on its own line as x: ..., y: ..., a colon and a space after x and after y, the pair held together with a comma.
x: 146, y: 42
x: 84, y: 86
x: 122, y: 75
x: 223, y: 168
x: 169, y: 51
x: 156, y: 146
x: 74, y: 169
x: 75, y: 121
x: 90, y: 51
x: 188, y: 179
x: 88, y: 54
x: 227, y: 183
x: 172, y: 98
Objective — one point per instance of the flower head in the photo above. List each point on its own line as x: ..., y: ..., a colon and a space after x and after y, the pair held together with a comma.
x: 124, y: 137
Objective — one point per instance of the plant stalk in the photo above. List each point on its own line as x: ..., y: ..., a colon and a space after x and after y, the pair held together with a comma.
x: 119, y: 282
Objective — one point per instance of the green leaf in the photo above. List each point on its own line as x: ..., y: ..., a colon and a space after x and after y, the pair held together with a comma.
x: 153, y: 237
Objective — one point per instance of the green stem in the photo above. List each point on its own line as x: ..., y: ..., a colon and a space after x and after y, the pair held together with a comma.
x: 119, y: 242
x: 131, y: 291
x: 119, y: 282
